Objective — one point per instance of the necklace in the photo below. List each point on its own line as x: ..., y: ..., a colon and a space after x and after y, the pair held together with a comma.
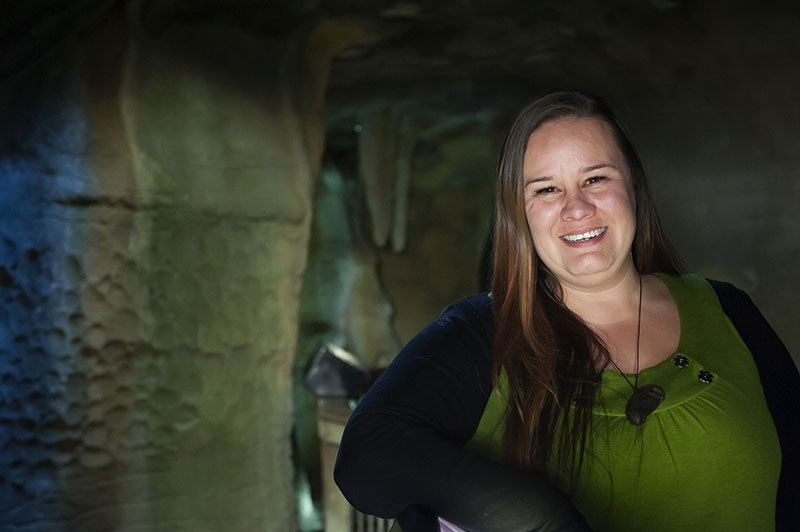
x: 647, y: 398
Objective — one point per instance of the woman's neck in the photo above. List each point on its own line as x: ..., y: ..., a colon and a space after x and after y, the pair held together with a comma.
x: 617, y: 300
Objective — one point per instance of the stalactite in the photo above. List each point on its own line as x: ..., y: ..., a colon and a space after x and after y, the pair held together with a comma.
x: 377, y: 167
x: 406, y: 140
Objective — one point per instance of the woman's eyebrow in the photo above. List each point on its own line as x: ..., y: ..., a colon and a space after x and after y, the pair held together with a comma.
x: 597, y: 167
x: 532, y: 180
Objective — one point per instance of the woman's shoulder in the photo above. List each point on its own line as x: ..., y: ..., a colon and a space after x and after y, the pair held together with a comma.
x: 476, y: 308
x: 697, y: 293
x: 696, y: 287
x: 687, y: 280
x: 465, y: 326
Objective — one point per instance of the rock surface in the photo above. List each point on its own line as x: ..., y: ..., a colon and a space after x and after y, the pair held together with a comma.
x: 154, y: 231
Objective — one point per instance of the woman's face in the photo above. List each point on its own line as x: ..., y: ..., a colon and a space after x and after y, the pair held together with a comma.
x: 579, y: 201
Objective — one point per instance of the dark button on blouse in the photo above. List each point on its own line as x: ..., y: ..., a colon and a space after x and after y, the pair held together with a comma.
x: 705, y: 376
x: 680, y: 361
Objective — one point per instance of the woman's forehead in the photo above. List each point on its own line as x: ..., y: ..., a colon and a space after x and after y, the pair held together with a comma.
x: 572, y: 142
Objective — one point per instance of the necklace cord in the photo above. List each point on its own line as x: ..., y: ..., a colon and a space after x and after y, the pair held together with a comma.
x: 638, y: 334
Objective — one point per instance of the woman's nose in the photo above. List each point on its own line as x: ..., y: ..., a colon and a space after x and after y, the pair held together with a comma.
x: 576, y: 206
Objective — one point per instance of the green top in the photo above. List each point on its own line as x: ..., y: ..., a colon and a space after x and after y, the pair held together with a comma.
x: 707, y: 458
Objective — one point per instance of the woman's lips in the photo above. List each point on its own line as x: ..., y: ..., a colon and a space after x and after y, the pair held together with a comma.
x: 583, y: 237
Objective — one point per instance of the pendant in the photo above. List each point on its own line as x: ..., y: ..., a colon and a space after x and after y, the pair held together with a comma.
x: 642, y: 403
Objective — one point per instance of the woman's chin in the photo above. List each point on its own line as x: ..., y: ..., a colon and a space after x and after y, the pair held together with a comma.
x: 591, y: 273
x: 588, y: 268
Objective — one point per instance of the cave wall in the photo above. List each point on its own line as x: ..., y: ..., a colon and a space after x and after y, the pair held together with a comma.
x: 154, y: 225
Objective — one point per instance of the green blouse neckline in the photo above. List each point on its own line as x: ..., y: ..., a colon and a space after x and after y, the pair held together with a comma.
x: 680, y: 380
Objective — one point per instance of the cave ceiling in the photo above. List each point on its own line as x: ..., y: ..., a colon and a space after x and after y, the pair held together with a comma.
x: 413, y: 50
x: 408, y: 42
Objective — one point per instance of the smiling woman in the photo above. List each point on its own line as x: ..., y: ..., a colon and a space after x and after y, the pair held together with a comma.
x: 596, y: 382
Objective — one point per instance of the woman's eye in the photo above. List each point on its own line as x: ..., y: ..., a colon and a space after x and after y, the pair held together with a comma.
x: 595, y: 179
x: 546, y: 190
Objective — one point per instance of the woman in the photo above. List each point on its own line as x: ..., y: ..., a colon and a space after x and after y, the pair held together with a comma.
x: 595, y: 388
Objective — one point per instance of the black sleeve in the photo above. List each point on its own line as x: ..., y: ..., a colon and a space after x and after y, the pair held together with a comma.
x: 781, y: 383
x: 401, y: 453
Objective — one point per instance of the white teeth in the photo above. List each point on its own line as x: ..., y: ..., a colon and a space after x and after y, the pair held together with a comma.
x: 584, y: 236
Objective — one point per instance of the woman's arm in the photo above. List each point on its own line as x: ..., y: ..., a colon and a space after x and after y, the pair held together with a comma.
x: 402, y: 448
x: 781, y: 383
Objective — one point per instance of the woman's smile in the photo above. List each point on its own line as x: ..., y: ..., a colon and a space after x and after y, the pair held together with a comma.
x: 584, y: 236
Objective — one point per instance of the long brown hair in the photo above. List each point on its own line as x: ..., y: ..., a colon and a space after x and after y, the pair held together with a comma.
x: 546, y: 351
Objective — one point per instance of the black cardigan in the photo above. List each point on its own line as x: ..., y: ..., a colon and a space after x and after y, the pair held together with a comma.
x: 391, y: 432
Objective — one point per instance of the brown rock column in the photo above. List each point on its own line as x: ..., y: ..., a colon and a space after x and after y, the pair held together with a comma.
x: 154, y: 241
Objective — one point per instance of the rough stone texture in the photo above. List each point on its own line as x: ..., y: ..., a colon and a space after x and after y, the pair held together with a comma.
x: 67, y: 319
x: 154, y: 228
x: 222, y: 165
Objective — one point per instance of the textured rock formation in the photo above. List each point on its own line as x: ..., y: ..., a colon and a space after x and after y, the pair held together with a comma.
x: 376, y: 150
x: 450, y: 204
x: 154, y: 225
